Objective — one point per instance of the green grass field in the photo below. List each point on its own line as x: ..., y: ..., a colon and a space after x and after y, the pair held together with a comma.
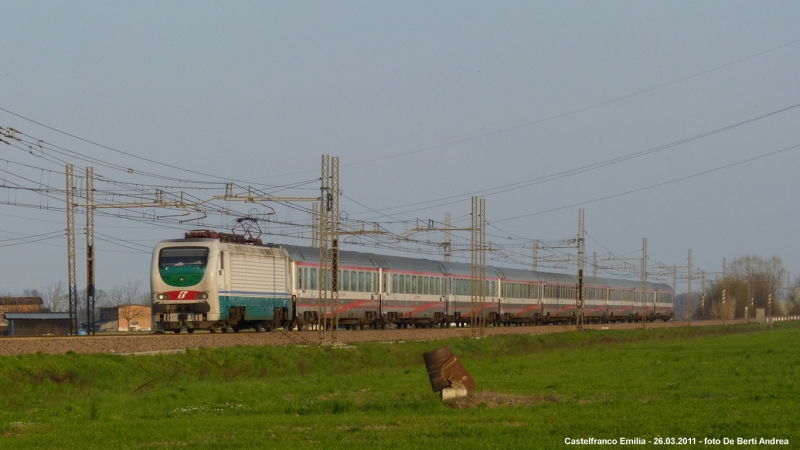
x: 533, y: 392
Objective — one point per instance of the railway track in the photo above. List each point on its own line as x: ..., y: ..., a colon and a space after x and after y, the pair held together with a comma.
x: 148, y: 343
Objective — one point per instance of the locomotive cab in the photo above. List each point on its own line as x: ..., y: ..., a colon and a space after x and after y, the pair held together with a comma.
x: 181, y: 285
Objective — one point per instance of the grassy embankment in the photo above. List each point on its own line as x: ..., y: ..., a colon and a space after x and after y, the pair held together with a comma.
x: 534, y: 391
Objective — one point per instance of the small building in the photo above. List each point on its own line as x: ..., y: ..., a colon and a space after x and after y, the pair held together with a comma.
x: 17, y: 305
x: 126, y: 318
x: 38, y: 324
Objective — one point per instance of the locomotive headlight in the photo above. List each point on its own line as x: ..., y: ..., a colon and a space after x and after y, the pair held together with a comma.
x: 162, y: 297
x: 202, y: 296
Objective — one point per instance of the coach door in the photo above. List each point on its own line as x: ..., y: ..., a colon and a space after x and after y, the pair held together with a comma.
x: 447, y: 295
x: 378, y: 286
x: 223, y: 271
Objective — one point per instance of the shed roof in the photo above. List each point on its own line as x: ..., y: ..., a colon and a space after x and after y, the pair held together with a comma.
x: 37, y: 316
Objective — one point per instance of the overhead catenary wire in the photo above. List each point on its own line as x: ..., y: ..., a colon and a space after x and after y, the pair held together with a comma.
x: 577, y: 170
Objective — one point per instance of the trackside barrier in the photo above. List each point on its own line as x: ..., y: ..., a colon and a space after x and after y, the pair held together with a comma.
x: 785, y: 319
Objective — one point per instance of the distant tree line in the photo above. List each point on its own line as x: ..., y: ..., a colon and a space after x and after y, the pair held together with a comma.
x: 55, y: 298
x: 749, y: 284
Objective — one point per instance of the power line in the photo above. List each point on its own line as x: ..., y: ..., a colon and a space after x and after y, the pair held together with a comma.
x: 579, y: 170
x: 568, y: 113
x: 652, y: 185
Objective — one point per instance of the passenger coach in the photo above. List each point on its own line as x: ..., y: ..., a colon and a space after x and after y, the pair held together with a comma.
x: 218, y: 281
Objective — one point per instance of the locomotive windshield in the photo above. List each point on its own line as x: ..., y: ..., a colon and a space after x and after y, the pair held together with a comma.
x: 182, y: 256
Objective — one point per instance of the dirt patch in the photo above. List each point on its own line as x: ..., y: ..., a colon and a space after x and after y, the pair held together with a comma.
x: 487, y: 399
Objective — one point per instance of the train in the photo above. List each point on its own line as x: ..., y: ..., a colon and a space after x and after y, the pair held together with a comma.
x: 221, y: 282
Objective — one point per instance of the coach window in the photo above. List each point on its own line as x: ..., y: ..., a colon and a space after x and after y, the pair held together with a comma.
x: 360, y: 281
x: 438, y: 286
x: 313, y: 278
x: 299, y: 278
x: 414, y: 285
x: 368, y: 282
x: 425, y: 286
x: 394, y: 283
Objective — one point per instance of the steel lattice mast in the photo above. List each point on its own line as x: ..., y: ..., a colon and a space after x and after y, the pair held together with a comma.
x: 478, y: 267
x: 71, y: 282
x: 579, y: 319
x: 329, y: 250
x: 90, y: 284
x: 644, y: 282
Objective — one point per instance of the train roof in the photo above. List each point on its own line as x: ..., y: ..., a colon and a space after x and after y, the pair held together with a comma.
x: 347, y: 258
x: 404, y: 263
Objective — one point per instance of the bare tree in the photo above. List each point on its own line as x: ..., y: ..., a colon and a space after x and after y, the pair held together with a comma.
x: 792, y: 306
x: 128, y: 301
x: 754, y: 279
x: 720, y: 311
x: 55, y: 297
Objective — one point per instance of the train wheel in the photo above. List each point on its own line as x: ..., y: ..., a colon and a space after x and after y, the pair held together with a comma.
x: 177, y: 331
x: 259, y: 328
x: 190, y: 330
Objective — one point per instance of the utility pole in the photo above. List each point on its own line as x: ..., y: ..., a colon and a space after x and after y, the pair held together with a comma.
x: 644, y: 282
x: 594, y: 264
x: 315, y: 224
x: 579, y: 320
x: 448, y: 241
x: 689, y: 297
x: 90, y: 285
x: 724, y: 288
x: 703, y: 295
x: 535, y: 254
x: 769, y: 301
x: 72, y: 283
x: 478, y: 266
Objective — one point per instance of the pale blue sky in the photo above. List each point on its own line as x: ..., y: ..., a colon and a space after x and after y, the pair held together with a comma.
x: 421, y: 101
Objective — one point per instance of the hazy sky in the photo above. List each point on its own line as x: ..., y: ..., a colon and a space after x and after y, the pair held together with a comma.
x: 421, y: 101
